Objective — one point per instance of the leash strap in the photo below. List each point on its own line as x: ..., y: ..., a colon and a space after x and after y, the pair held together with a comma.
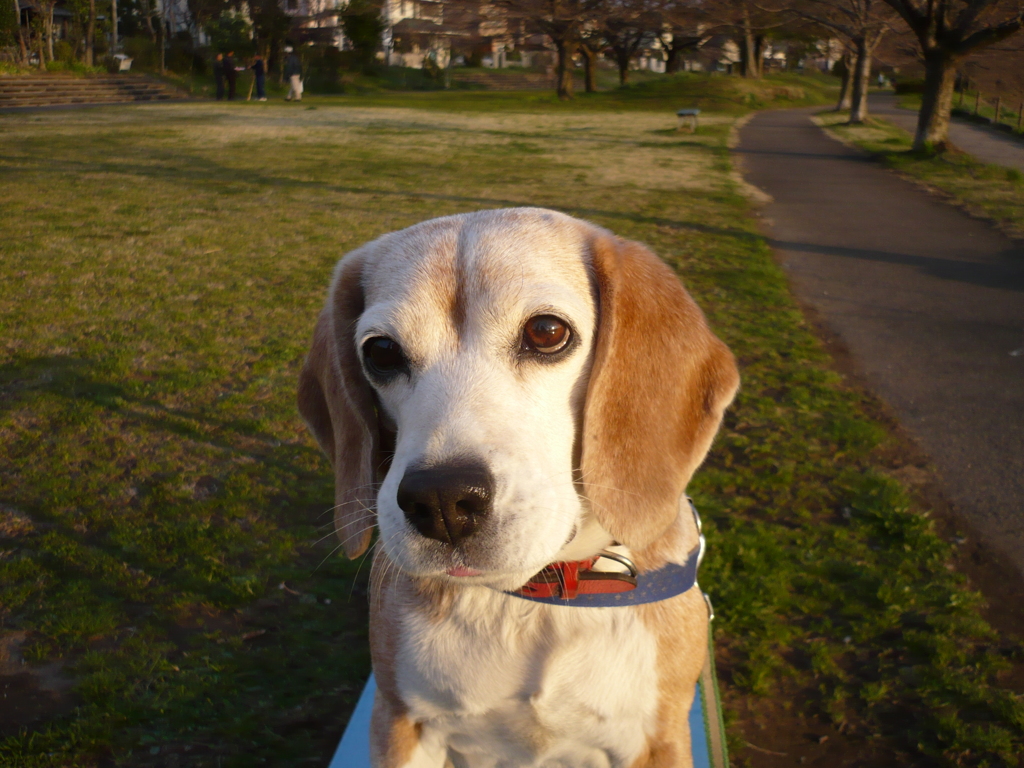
x: 711, y: 701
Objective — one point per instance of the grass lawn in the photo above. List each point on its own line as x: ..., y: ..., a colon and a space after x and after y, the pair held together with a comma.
x: 989, y: 191
x: 170, y: 594
x: 718, y: 93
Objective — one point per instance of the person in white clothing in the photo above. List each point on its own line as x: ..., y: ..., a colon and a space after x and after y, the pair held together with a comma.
x: 293, y: 71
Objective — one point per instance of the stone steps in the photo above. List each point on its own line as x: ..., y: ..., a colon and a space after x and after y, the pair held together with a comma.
x: 44, y: 91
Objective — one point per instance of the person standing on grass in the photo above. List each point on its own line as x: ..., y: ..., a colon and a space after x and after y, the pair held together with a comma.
x: 218, y: 75
x: 293, y: 71
x: 231, y: 74
x: 259, y: 71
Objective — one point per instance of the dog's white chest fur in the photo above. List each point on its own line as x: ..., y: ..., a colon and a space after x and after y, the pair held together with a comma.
x: 505, y: 682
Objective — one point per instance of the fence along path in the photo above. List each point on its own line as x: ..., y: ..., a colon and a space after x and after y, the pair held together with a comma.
x: 986, y: 144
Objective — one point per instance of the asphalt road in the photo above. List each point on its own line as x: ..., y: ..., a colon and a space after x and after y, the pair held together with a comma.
x: 929, y: 301
x: 986, y: 144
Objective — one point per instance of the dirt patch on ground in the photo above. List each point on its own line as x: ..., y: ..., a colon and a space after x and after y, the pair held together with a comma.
x: 31, y: 694
x: 777, y: 733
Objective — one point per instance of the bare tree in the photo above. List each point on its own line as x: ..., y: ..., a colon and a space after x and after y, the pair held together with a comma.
x: 563, y: 21
x: 626, y: 24
x: 684, y: 27
x: 37, y: 32
x: 947, y: 31
x: 749, y: 22
x: 863, y: 23
x: 90, y: 35
x: 844, y: 87
x: 42, y: 26
x: 14, y: 30
x: 46, y: 9
x: 592, y: 43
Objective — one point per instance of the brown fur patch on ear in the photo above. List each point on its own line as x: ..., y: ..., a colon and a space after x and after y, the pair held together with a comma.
x: 338, y: 406
x: 659, y: 385
x: 317, y: 382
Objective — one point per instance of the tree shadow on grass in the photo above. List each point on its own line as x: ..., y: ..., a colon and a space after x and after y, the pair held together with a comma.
x: 80, y: 380
x: 191, y: 170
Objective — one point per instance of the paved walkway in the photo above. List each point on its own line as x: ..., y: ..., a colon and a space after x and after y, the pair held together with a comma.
x: 986, y: 144
x: 929, y: 301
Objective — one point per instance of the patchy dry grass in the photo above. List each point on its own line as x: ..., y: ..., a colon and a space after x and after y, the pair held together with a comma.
x: 163, y: 268
x: 989, y: 191
x: 161, y: 500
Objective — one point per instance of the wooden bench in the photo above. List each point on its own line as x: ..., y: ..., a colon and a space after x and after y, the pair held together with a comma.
x: 687, y: 116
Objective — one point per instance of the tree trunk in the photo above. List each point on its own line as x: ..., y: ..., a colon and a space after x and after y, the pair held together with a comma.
x: 147, y: 12
x: 861, y: 78
x: 750, y: 49
x: 590, y: 70
x: 162, y: 41
x: 49, y: 29
x: 113, y: 21
x: 622, y: 58
x: 564, y: 72
x: 40, y: 40
x: 90, y: 35
x: 22, y: 45
x: 936, y: 101
x: 844, y: 89
x: 673, y: 61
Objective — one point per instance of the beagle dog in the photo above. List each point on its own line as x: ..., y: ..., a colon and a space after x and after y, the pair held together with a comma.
x: 498, y: 392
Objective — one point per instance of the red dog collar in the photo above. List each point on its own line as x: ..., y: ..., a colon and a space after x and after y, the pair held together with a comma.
x: 567, y: 580
x: 577, y: 584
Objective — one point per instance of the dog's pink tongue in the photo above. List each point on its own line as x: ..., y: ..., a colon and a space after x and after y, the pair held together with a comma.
x: 462, y: 571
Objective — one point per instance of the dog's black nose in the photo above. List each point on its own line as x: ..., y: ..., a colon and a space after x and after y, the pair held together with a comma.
x: 446, y: 503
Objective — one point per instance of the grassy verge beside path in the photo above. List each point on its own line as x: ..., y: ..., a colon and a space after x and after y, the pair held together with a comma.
x: 165, y: 595
x: 988, y: 191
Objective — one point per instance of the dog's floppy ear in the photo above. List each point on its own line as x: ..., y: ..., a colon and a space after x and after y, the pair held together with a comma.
x: 339, y: 408
x: 658, y: 387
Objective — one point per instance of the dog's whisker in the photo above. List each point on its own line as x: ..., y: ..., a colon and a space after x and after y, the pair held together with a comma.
x: 363, y: 501
x: 329, y: 556
x: 389, y: 565
x: 333, y: 532
x: 350, y: 501
x: 334, y: 526
x: 341, y: 544
x: 359, y: 568
x: 382, y: 581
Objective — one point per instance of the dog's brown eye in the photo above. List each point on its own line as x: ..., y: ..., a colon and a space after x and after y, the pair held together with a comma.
x: 383, y: 355
x: 546, y: 334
